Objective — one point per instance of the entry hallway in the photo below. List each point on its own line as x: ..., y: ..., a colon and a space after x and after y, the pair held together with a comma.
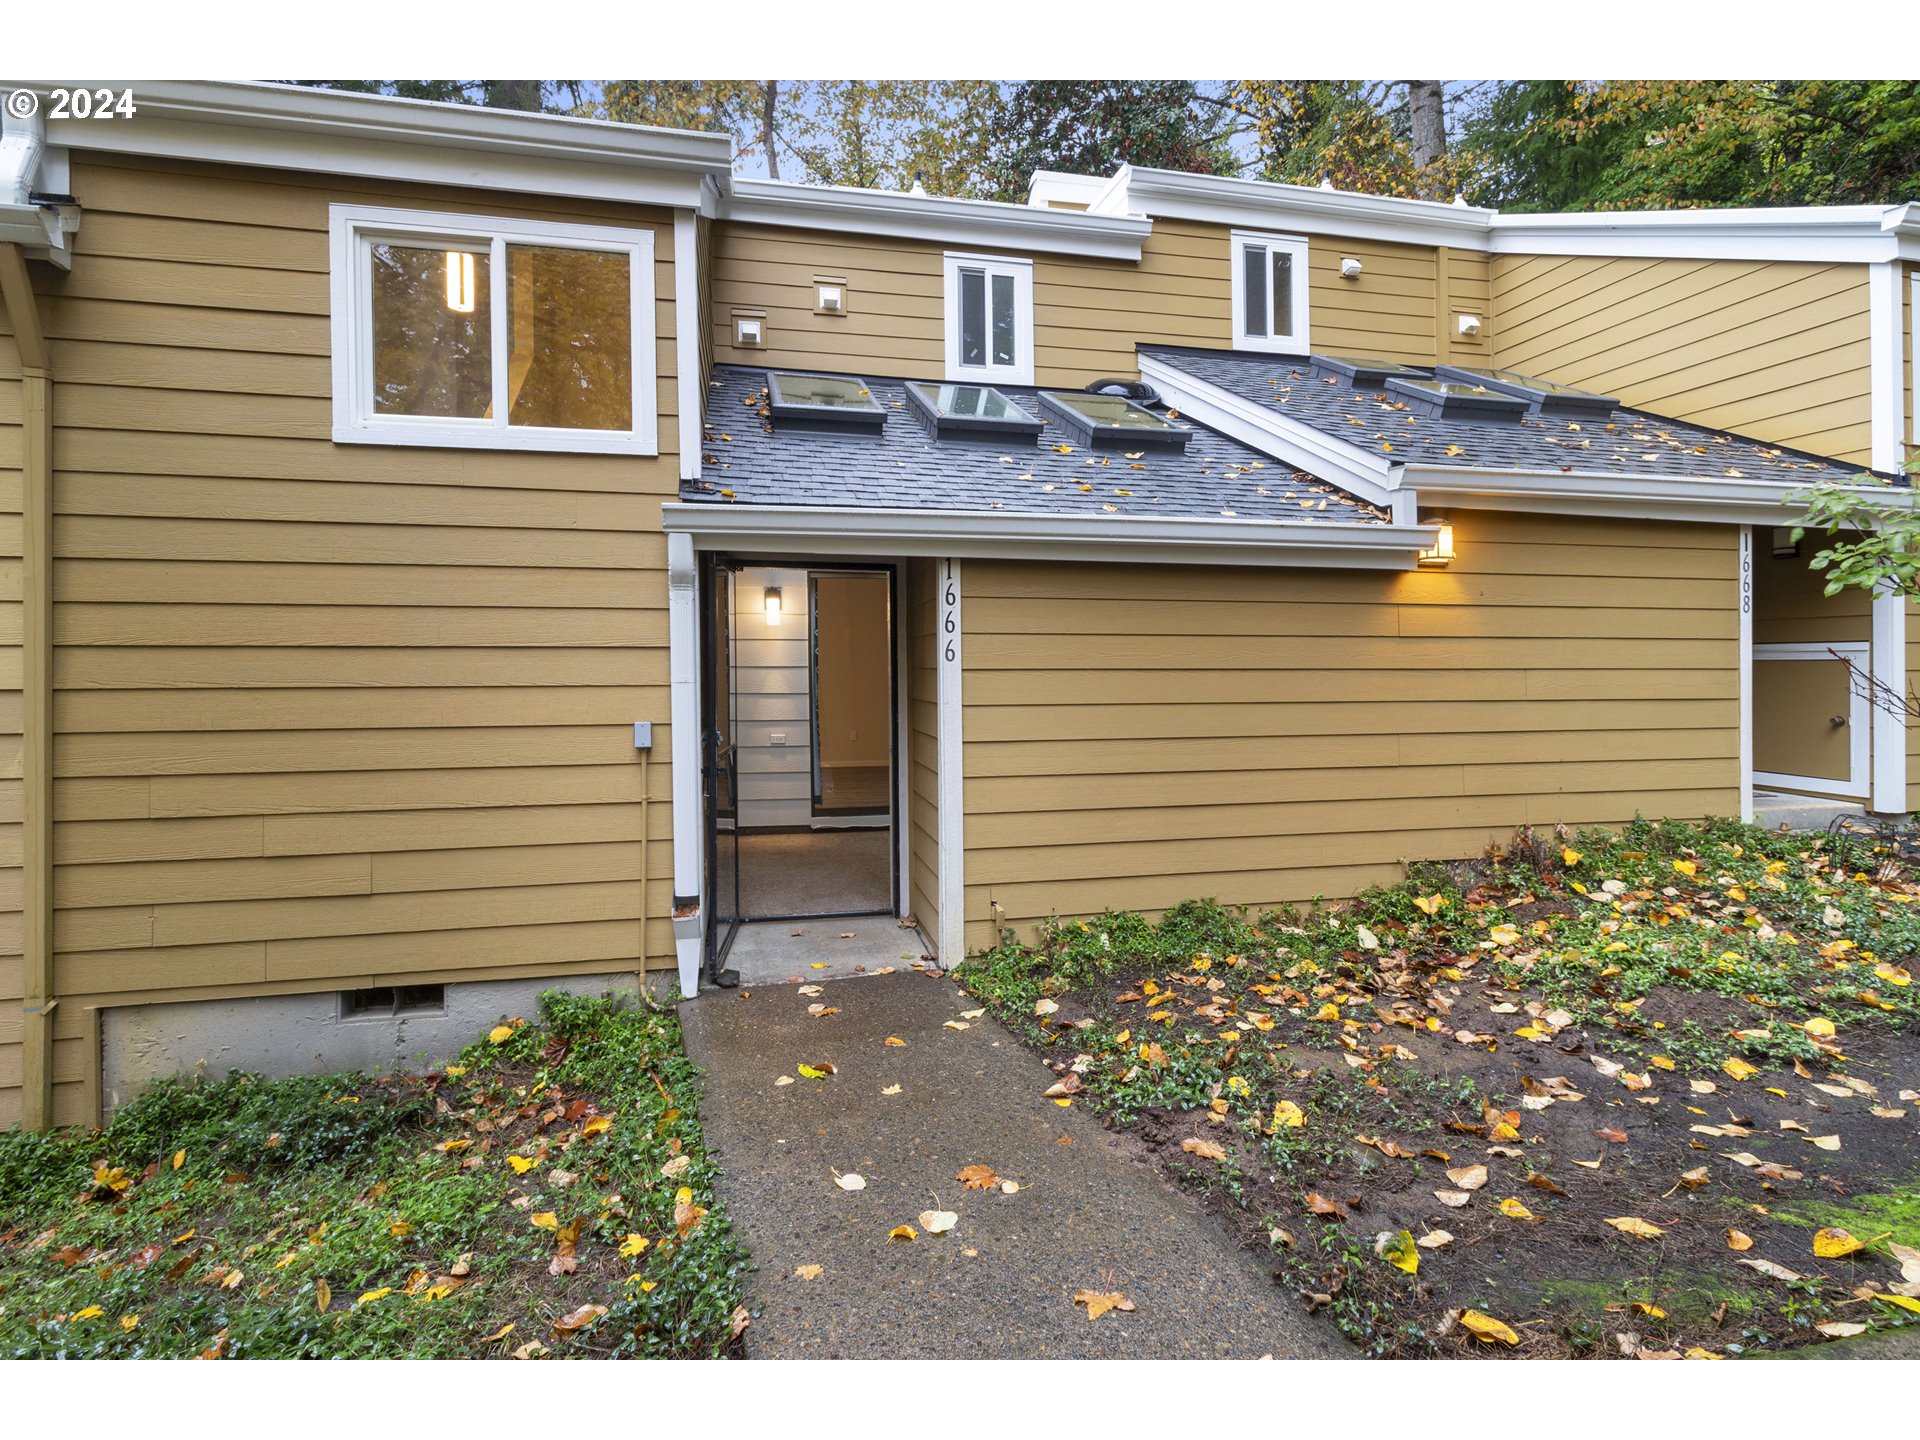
x: 1001, y: 1283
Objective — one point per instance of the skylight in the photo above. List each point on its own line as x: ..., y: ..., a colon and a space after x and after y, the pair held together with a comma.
x: 1365, y: 371
x: 1547, y: 397
x: 978, y: 412
x: 829, y: 402
x: 1112, y: 420
x: 1456, y: 399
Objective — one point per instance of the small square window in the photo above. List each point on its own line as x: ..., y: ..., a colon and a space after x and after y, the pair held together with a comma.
x: 1269, y: 292
x: 989, y: 318
x: 458, y: 330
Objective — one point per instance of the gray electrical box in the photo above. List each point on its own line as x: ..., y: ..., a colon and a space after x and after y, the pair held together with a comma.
x: 643, y: 734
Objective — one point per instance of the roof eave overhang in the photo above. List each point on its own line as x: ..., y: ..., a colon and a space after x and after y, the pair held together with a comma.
x: 1643, y: 497
x: 1263, y: 203
x: 1021, y: 535
x: 939, y: 219
x: 1360, y: 472
x: 294, y: 128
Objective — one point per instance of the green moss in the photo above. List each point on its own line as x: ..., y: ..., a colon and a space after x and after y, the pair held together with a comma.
x: 1896, y: 1211
x: 1689, y: 1300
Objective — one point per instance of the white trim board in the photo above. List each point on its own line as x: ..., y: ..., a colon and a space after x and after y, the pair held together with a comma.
x: 684, y: 739
x: 690, y: 393
x: 291, y: 127
x: 1889, y: 668
x: 1020, y: 535
x: 949, y: 635
x: 1745, y: 607
x: 947, y: 221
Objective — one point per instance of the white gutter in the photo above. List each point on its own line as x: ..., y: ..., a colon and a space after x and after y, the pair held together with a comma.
x: 40, y: 230
x: 1647, y: 497
x: 941, y: 219
x: 1026, y: 535
x: 1358, y: 471
x: 292, y: 127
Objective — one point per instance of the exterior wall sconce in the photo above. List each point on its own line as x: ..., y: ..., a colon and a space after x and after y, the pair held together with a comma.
x: 460, y: 281
x: 1441, y: 555
x: 1470, y: 326
x: 1350, y: 268
x: 770, y: 601
x: 749, y: 330
x: 1785, y: 547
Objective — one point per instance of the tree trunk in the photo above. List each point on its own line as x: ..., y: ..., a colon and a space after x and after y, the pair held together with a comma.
x: 766, y: 129
x: 1427, y: 124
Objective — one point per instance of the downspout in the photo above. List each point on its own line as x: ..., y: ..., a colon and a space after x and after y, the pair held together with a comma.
x: 36, y: 726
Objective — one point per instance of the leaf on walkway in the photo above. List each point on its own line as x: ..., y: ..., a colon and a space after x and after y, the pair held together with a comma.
x: 807, y: 1272
x: 1635, y: 1226
x: 978, y: 1177
x: 938, y: 1222
x: 893, y: 1040
x: 1487, y: 1329
x: 903, y: 1232
x: 1099, y: 1302
x: 850, y: 1181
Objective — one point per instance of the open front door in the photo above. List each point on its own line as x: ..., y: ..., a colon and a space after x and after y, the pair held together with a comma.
x: 720, y: 766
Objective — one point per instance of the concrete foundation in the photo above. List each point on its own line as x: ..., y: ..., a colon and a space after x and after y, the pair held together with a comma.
x: 280, y: 1035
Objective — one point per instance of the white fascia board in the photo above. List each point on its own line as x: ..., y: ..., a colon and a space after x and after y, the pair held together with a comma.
x: 941, y: 219
x: 1360, y: 472
x: 1886, y: 366
x: 1646, y: 497
x: 1266, y: 205
x: 1021, y: 535
x: 288, y: 127
x: 1841, y: 234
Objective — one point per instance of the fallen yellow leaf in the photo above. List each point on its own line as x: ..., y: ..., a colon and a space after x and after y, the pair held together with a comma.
x: 1633, y: 1225
x: 1487, y: 1329
x: 1832, y: 1244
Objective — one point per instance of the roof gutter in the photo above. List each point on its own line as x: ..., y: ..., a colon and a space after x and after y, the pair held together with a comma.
x: 1022, y: 535
x: 1643, y: 497
x: 37, y: 223
x: 942, y: 219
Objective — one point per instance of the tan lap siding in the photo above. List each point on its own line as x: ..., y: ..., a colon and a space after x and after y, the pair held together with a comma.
x: 923, y: 740
x: 10, y: 489
x: 329, y: 716
x: 1136, y: 735
x: 1773, y: 349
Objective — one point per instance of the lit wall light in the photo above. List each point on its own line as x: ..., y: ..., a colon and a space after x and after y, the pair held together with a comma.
x: 460, y: 282
x: 1441, y: 555
x: 770, y: 599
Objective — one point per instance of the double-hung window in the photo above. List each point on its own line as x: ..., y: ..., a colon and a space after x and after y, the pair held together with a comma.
x: 1269, y: 292
x: 989, y: 318
x: 461, y: 330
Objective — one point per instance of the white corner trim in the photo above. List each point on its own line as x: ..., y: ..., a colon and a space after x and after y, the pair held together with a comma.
x: 686, y: 339
x: 1745, y: 605
x: 1888, y: 667
x: 941, y: 219
x: 292, y: 127
x: 1885, y: 364
x: 685, y: 742
x: 351, y: 232
x: 1020, y: 372
x: 1022, y: 535
x: 949, y: 636
x: 1267, y: 430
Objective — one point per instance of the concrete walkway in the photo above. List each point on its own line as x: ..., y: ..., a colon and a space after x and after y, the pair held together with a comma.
x: 1001, y: 1284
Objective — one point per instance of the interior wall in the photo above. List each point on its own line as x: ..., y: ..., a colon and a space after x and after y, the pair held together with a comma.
x: 1790, y: 603
x: 770, y: 719
x: 855, y: 707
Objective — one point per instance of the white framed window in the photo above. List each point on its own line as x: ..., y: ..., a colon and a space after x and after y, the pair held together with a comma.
x: 462, y: 330
x: 989, y: 318
x: 1269, y: 292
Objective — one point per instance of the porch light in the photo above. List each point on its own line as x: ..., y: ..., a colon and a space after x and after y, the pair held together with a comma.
x: 460, y: 282
x: 770, y: 599
x: 1441, y: 555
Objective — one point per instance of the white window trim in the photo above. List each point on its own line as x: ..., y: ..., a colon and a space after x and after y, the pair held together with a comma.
x: 1294, y: 344
x: 353, y: 230
x: 1021, y: 269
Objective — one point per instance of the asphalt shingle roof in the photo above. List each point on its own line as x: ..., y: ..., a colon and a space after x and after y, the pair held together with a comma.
x: 1627, y: 442
x: 752, y: 460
